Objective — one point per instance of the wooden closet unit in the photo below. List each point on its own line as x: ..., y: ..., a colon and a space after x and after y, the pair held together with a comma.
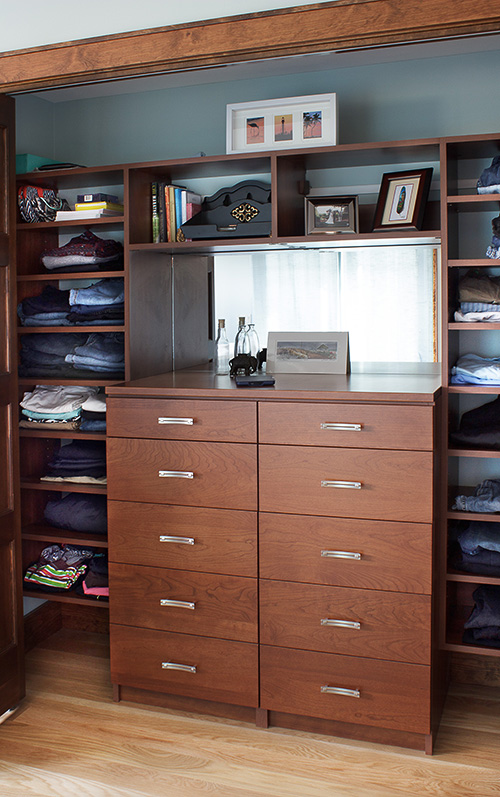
x: 345, y: 638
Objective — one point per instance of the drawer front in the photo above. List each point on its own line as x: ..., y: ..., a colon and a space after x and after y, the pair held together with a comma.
x: 362, y: 483
x: 372, y: 554
x: 179, y: 419
x: 183, y: 537
x: 177, y: 600
x: 182, y: 664
x: 347, y: 425
x: 355, y: 622
x: 204, y: 474
x: 391, y: 694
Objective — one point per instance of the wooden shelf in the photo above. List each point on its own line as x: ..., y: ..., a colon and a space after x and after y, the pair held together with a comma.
x: 474, y: 389
x: 481, y: 262
x: 61, y: 598
x: 473, y: 452
x: 42, y: 533
x: 71, y: 328
x: 471, y: 578
x: 475, y: 201
x: 73, y: 275
x: 474, y: 326
x: 62, y: 487
x: 108, y: 221
x: 61, y: 433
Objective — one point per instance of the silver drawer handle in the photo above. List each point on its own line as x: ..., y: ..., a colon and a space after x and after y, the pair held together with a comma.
x: 177, y: 604
x: 182, y: 540
x: 342, y: 623
x: 343, y: 485
x: 341, y: 554
x: 181, y: 421
x: 337, y: 690
x: 176, y: 474
x: 342, y: 427
x: 171, y: 665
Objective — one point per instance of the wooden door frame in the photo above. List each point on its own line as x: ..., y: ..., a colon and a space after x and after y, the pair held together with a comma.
x: 322, y: 27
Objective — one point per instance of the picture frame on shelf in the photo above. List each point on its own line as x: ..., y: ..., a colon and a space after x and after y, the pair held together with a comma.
x: 331, y: 214
x: 308, y: 353
x: 402, y: 199
x: 285, y: 123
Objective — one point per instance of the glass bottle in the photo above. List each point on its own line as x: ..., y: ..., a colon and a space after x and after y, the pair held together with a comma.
x: 253, y: 340
x: 222, y: 349
x: 241, y: 342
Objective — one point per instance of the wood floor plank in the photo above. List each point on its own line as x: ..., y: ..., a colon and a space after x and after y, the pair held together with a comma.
x: 70, y: 738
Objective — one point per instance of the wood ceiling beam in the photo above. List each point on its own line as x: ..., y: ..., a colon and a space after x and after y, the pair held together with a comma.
x: 340, y: 25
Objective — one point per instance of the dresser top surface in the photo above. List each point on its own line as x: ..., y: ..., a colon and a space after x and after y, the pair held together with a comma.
x: 201, y: 382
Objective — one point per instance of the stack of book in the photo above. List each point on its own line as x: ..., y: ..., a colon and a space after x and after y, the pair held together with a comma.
x: 171, y: 206
x: 92, y: 206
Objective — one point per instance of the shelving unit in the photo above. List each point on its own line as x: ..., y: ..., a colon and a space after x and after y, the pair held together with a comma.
x: 466, y: 227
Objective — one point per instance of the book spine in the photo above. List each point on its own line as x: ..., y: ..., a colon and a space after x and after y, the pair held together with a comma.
x: 171, y: 212
x: 155, y: 215
x: 98, y: 197
x: 178, y: 210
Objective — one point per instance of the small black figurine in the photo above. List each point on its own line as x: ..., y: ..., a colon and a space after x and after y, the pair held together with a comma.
x: 243, y: 363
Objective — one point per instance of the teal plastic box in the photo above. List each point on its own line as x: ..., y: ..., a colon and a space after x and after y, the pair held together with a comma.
x: 28, y: 163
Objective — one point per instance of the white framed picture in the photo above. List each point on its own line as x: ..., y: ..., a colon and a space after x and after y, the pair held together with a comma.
x: 286, y: 123
x: 308, y: 353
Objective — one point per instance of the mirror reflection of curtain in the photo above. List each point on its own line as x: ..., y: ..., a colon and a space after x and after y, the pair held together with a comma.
x: 383, y: 296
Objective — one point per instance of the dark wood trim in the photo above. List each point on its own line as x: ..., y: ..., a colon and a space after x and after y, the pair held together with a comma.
x: 41, y: 623
x: 340, y: 25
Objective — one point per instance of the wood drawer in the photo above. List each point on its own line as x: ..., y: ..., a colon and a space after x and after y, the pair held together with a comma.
x: 384, y: 625
x: 183, y: 419
x: 223, y: 474
x: 183, y: 537
x: 347, y: 425
x: 223, y: 670
x: 193, y: 603
x: 394, y: 485
x: 391, y: 694
x: 372, y: 554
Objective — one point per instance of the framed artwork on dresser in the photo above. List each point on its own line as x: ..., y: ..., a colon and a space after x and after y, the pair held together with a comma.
x: 308, y: 353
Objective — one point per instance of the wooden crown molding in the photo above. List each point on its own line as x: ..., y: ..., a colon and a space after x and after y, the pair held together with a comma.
x: 339, y: 25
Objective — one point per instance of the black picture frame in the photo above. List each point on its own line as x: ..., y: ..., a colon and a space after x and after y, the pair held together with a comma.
x: 402, y: 199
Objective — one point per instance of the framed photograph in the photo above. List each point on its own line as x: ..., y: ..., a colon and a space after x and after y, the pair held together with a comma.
x: 308, y: 353
x: 401, y: 200
x: 331, y: 214
x: 290, y: 122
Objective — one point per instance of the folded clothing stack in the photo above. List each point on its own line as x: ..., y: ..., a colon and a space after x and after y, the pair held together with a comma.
x: 480, y: 427
x: 61, y: 354
x: 479, y: 297
x: 98, y: 304
x: 475, y: 370
x: 483, y: 624
x: 479, y: 549
x: 94, y: 414
x: 58, y: 568
x: 486, y: 498
x: 489, y: 181
x: 95, y: 583
x: 81, y: 461
x: 56, y: 406
x: 86, y: 252
x: 493, y: 250
x: 78, y: 512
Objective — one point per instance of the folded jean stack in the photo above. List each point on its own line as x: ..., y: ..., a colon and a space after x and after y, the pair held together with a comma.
x: 483, y: 625
x: 479, y: 297
x: 478, y: 548
x: 61, y: 355
x: 485, y: 498
x: 78, y: 512
x: 81, y: 461
x: 61, y: 407
x: 67, y: 567
x: 86, y: 252
x: 94, y: 414
x: 99, y: 304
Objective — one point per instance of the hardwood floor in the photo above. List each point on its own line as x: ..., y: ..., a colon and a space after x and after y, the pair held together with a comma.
x: 69, y: 738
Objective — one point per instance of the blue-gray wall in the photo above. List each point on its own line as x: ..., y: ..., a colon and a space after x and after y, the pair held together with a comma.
x: 445, y: 96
